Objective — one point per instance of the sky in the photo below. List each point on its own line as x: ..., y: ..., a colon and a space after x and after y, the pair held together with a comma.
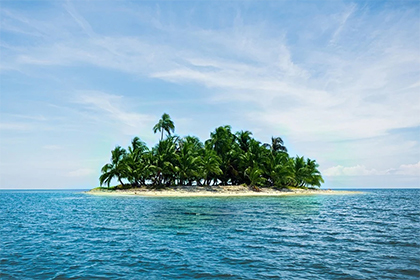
x: 339, y: 81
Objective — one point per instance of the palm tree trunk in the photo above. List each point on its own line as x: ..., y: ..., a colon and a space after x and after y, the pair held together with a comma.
x: 161, y: 136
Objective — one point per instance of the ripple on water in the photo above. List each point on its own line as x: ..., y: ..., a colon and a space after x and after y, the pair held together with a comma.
x: 68, y: 235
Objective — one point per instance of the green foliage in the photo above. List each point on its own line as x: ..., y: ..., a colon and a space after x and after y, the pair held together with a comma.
x: 164, y: 124
x: 137, y: 162
x: 305, y: 173
x: 209, y: 165
x: 225, y: 158
x: 255, y: 176
x: 116, y: 169
x: 277, y: 145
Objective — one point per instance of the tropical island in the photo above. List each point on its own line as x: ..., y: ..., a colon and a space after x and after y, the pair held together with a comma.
x: 226, y: 164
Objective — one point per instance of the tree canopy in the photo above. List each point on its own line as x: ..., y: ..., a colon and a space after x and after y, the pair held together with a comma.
x: 226, y: 158
x: 164, y: 124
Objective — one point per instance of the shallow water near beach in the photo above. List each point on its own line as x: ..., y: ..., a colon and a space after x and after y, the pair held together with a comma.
x: 72, y: 235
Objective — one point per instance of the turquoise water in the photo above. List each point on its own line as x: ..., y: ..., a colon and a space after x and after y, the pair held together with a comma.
x: 71, y: 235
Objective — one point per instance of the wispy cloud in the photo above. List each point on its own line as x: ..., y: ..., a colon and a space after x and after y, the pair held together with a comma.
x: 343, y: 18
x: 408, y: 169
x: 14, y: 126
x: 81, y: 21
x: 358, y: 170
x: 24, y: 126
x: 82, y: 172
x: 26, y: 117
x: 361, y: 170
x: 111, y: 107
x: 261, y: 71
x: 337, y: 85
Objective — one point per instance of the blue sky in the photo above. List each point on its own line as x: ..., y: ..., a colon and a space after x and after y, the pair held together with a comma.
x: 339, y: 81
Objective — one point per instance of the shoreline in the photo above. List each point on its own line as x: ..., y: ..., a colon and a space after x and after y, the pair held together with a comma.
x: 215, y: 191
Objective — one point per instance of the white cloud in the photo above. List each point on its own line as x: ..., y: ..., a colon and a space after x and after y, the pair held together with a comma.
x: 409, y: 169
x: 115, y: 108
x: 110, y: 104
x: 26, y: 117
x: 14, y: 126
x: 24, y: 126
x: 360, y: 170
x: 328, y: 88
x: 82, y: 172
x: 335, y: 84
x: 342, y: 22
x: 81, y: 21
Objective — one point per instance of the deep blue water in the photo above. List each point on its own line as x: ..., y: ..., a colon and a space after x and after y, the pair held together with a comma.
x: 71, y: 235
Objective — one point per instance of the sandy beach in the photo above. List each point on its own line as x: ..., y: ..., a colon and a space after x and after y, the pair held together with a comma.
x: 215, y: 191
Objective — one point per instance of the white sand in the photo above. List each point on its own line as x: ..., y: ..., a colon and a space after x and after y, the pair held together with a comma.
x: 215, y: 191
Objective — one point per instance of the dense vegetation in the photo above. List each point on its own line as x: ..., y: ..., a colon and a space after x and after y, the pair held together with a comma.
x: 225, y: 158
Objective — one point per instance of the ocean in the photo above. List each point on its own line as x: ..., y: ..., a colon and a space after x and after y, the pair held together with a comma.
x: 72, y: 235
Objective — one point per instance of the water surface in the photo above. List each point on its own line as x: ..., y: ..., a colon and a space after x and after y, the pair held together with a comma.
x: 72, y: 235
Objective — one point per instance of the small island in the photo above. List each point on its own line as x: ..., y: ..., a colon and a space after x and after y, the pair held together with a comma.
x: 227, y: 164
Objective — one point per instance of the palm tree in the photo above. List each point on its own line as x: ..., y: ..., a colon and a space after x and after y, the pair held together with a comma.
x: 210, y: 166
x: 226, y: 158
x: 256, y: 178
x: 306, y: 173
x: 137, y: 147
x: 243, y: 138
x: 314, y: 177
x: 298, y: 167
x: 277, y: 145
x: 137, y: 162
x: 164, y: 161
x: 279, y: 170
x: 222, y: 141
x: 164, y: 124
x: 254, y: 159
x: 115, y: 169
x: 188, y: 158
